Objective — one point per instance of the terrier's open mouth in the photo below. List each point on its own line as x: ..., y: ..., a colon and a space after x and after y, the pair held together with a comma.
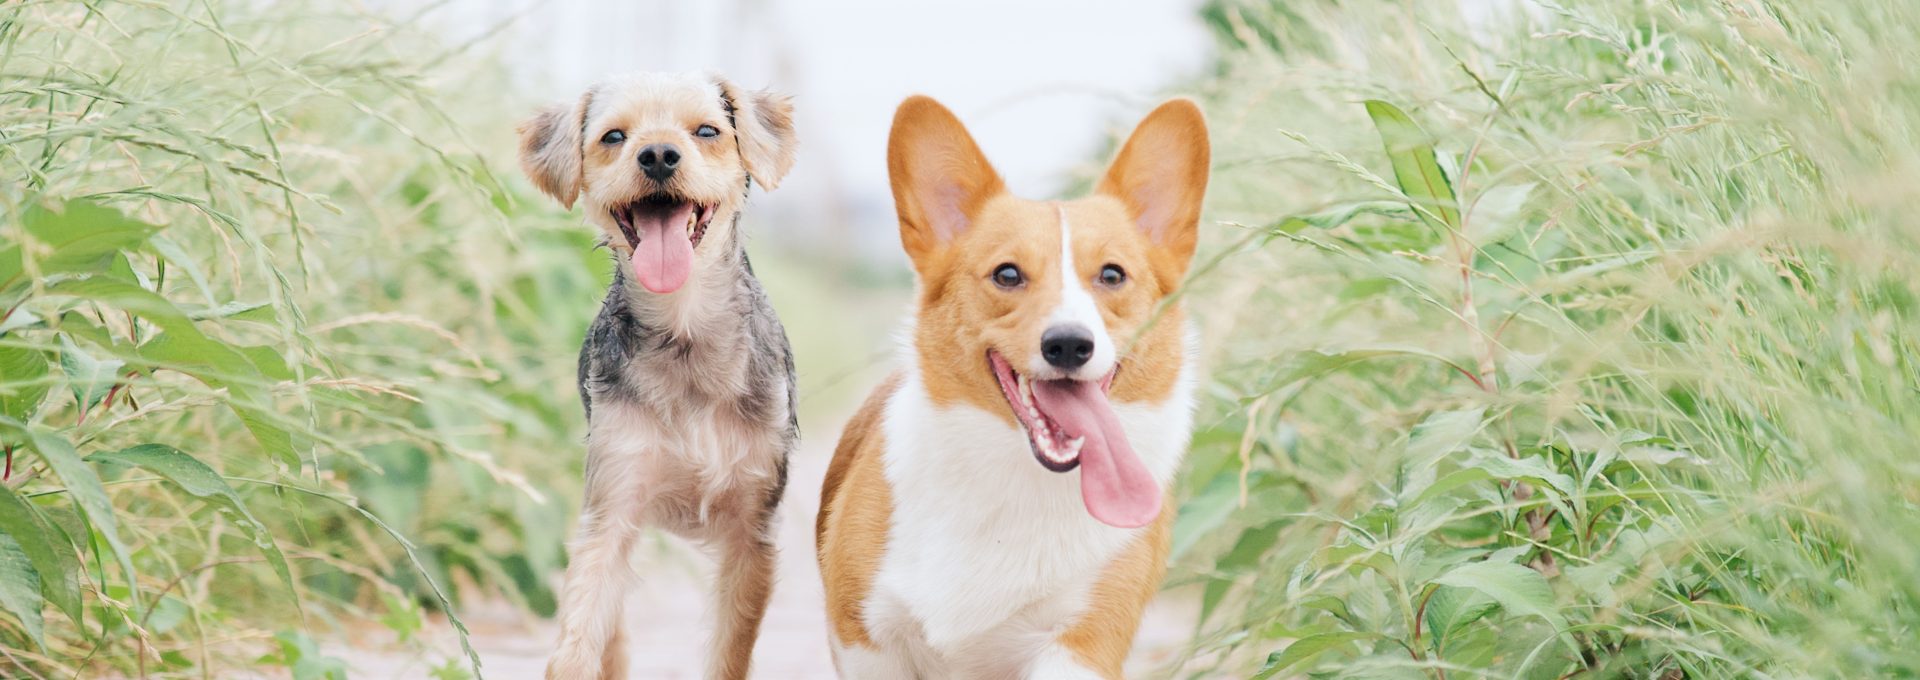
x: 663, y: 208
x: 662, y: 230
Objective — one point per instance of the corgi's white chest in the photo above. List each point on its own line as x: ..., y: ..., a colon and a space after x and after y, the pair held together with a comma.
x: 990, y: 556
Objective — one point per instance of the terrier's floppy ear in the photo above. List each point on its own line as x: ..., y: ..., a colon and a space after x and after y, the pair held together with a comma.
x: 1161, y: 176
x: 939, y: 176
x: 550, y: 150
x: 763, y: 123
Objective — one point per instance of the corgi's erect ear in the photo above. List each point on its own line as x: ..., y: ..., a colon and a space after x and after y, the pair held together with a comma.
x: 550, y: 148
x: 939, y: 176
x: 763, y: 123
x: 1161, y: 175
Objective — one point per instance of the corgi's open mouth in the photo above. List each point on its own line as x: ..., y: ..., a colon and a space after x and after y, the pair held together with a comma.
x: 662, y: 230
x: 1069, y: 424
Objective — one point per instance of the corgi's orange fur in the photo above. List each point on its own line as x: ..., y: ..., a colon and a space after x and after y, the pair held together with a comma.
x: 995, y: 509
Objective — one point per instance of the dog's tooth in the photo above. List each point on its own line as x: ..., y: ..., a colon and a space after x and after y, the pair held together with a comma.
x: 1073, y: 447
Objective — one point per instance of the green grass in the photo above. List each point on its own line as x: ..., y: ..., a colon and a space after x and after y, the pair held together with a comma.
x: 280, y: 346
x: 1572, y: 345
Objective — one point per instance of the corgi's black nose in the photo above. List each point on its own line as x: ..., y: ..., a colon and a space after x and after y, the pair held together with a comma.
x: 659, y: 161
x: 1067, y: 347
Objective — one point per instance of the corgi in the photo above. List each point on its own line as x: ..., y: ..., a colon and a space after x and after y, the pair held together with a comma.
x: 997, y: 507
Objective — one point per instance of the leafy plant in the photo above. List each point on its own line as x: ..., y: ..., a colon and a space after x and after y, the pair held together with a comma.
x: 264, y: 340
x: 1571, y: 341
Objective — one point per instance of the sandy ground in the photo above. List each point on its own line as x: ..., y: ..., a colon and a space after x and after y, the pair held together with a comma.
x: 667, y: 619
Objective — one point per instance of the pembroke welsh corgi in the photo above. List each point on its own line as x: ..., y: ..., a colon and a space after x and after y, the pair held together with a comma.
x: 996, y: 509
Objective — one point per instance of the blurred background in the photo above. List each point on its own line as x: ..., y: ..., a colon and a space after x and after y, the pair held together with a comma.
x: 1043, y: 86
x: 1545, y: 339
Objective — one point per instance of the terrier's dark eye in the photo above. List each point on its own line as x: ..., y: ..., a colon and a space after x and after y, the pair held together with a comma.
x: 613, y: 137
x: 1008, y: 276
x: 1112, y: 276
x: 707, y: 131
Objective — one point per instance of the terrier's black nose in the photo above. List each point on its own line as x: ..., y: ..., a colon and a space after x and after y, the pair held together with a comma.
x: 1067, y: 347
x: 659, y: 161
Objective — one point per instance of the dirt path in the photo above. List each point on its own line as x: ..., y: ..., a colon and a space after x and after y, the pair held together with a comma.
x: 667, y: 615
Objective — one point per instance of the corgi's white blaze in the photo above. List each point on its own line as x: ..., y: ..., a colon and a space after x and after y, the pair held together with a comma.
x: 990, y: 556
x: 1076, y: 307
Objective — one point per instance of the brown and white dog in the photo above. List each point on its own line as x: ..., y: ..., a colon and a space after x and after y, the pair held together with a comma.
x: 995, y: 510
x: 686, y: 375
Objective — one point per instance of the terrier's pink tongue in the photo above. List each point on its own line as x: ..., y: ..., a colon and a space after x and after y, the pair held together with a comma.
x: 1117, y: 489
x: 664, y: 254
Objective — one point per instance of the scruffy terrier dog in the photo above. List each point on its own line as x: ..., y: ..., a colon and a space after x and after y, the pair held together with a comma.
x: 686, y: 374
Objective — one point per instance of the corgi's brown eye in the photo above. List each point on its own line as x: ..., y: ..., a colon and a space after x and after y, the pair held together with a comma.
x: 613, y: 137
x: 1112, y: 276
x: 1008, y: 276
x: 707, y: 131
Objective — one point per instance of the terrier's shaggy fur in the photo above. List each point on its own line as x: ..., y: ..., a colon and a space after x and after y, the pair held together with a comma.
x: 686, y: 375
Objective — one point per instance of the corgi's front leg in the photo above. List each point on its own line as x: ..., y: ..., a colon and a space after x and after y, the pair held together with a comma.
x: 862, y: 662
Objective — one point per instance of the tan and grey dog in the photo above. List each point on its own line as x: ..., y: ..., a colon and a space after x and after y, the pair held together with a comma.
x: 686, y: 375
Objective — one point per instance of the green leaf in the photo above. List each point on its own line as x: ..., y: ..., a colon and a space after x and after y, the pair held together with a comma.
x: 89, y: 378
x: 179, y: 258
x: 202, y: 482
x: 1450, y: 608
x: 221, y: 365
x: 182, y: 347
x: 1340, y: 215
x: 43, y: 544
x: 23, y: 370
x: 83, y: 236
x: 127, y: 296
x: 1246, y: 552
x: 1496, y: 213
x: 1416, y: 167
x: 1521, y: 591
x: 1305, y: 648
x: 87, y: 491
x: 303, y: 658
x: 1495, y: 466
x: 1449, y: 482
x: 235, y: 309
x: 1205, y: 511
x: 20, y: 590
x: 1531, y: 468
x: 1443, y: 432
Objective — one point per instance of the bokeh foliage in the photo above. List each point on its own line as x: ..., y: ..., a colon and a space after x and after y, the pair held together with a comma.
x: 272, y: 356
x: 1559, y: 340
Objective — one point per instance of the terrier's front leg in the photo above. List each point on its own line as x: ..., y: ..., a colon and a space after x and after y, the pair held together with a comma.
x: 741, y: 590
x: 591, y: 643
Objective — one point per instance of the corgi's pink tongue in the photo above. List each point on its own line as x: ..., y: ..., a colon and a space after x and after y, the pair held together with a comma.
x: 1116, y: 487
x: 664, y: 254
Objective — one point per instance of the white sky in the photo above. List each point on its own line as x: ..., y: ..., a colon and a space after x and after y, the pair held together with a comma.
x: 1041, y: 83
